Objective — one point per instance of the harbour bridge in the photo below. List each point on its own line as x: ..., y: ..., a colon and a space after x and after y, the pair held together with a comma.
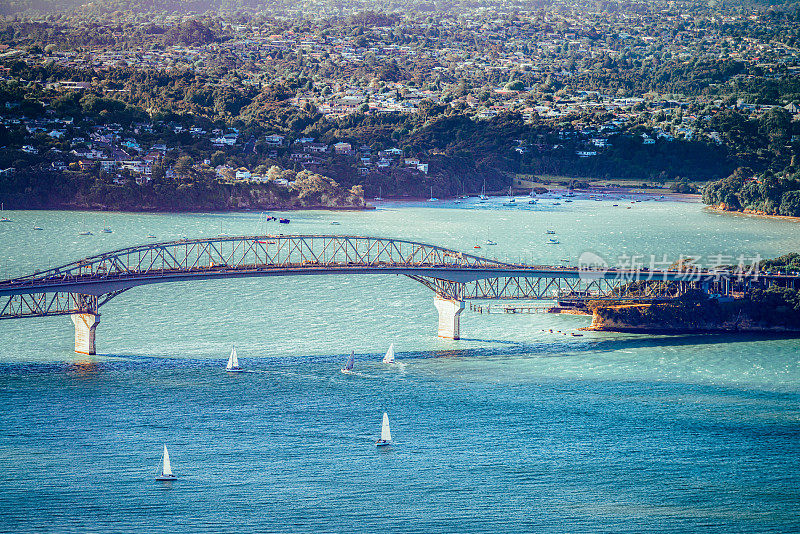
x: 80, y: 288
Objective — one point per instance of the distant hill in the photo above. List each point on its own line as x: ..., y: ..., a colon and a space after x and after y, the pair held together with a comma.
x: 9, y: 7
x: 190, y: 33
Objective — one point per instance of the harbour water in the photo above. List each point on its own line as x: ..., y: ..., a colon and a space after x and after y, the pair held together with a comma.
x: 511, y: 429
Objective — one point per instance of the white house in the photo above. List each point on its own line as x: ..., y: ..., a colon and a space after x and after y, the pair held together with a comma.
x: 342, y: 148
x: 274, y: 140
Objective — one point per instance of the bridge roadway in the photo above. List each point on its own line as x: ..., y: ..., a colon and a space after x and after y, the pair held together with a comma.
x: 81, y: 287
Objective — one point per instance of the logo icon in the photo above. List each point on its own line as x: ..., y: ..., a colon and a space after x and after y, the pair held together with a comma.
x: 591, y: 266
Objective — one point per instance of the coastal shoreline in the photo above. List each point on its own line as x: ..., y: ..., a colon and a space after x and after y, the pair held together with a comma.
x: 679, y: 331
x: 105, y: 209
x: 752, y: 213
x: 580, y: 195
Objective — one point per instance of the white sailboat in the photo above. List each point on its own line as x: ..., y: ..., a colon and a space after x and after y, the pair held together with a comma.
x: 3, y: 218
x: 233, y: 362
x: 483, y: 192
x: 348, y: 367
x: 489, y: 241
x: 389, y: 358
x: 106, y: 228
x: 166, y: 467
x: 433, y: 198
x: 85, y: 231
x: 386, y: 435
x: 380, y: 193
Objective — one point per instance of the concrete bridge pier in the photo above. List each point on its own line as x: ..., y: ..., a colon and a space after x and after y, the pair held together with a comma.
x: 85, y: 325
x: 449, y: 316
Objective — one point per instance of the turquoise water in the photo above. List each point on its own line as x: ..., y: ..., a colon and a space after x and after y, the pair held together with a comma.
x: 511, y: 429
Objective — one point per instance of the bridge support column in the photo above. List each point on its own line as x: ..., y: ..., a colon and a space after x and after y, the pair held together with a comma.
x: 85, y: 325
x: 449, y: 316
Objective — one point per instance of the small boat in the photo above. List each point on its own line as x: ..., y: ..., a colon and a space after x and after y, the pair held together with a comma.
x: 283, y: 221
x: 615, y: 205
x: 166, y: 467
x: 334, y: 223
x: 488, y: 240
x: 3, y: 218
x: 556, y: 203
x: 576, y: 335
x: 532, y: 201
x: 150, y: 236
x: 433, y: 198
x: 550, y: 232
x: 552, y: 241
x: 233, y: 362
x: 85, y: 231
x: 511, y: 199
x: 348, y: 367
x: 386, y: 435
x: 389, y: 358
x: 477, y: 246
x: 37, y: 227
x: 568, y: 200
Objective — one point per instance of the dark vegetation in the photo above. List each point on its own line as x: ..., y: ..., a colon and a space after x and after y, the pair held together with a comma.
x: 251, y: 91
x: 776, y: 308
x: 768, y: 193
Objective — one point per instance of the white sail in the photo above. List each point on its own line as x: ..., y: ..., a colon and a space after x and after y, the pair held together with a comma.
x: 233, y: 361
x: 350, y: 361
x: 386, y: 435
x: 389, y: 358
x: 166, y: 470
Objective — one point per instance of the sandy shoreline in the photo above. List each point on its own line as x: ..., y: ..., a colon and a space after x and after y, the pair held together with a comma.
x: 633, y: 193
x: 751, y: 213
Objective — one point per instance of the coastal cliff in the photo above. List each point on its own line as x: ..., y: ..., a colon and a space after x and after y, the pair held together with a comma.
x: 85, y: 191
x: 766, y: 311
x: 661, y: 318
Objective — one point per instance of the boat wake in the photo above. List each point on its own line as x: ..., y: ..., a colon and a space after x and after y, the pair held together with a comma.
x: 355, y: 373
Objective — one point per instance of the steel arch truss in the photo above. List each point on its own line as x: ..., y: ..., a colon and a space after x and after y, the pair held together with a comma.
x: 525, y: 288
x: 187, y: 256
x: 85, y: 285
x: 58, y: 303
x: 43, y: 304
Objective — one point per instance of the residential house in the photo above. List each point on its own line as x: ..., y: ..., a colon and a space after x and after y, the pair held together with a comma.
x: 274, y: 140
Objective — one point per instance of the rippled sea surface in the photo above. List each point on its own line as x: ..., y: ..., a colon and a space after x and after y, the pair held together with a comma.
x: 511, y: 429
